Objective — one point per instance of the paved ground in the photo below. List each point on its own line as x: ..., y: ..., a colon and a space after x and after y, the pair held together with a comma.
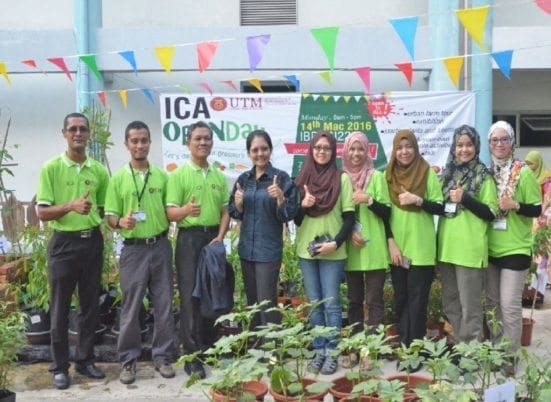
x: 32, y: 382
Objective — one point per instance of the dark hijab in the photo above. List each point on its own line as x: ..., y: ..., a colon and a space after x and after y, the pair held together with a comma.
x: 323, y: 181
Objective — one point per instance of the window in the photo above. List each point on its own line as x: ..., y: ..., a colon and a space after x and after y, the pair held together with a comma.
x: 532, y: 129
x: 269, y: 86
x: 268, y: 12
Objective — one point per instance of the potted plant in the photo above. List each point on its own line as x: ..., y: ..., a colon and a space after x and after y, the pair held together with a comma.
x: 435, y: 323
x: 291, y: 288
x: 535, y: 383
x: 12, y: 325
x: 410, y: 360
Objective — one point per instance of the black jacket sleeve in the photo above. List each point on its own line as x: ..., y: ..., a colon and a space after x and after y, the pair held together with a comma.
x: 478, y: 208
x: 381, y: 210
x: 433, y: 208
x: 347, y: 226
x: 299, y: 216
x: 529, y: 210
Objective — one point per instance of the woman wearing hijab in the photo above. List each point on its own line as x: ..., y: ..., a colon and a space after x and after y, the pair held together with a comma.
x: 510, y: 237
x: 534, y: 160
x: 325, y: 220
x: 367, y: 248
x: 469, y: 203
x: 416, y: 195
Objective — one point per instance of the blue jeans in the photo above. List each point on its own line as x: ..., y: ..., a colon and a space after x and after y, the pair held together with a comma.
x: 322, y: 279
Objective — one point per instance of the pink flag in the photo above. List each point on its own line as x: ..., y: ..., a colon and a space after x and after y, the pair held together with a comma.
x: 101, y: 96
x: 365, y: 75
x: 205, y: 86
x: 58, y: 61
x: 205, y: 53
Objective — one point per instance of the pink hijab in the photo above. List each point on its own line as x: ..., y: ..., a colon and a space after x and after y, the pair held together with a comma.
x: 360, y: 174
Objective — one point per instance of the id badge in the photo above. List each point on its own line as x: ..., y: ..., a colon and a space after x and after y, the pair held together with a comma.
x: 140, y: 216
x: 406, y: 262
x: 358, y: 227
x: 500, y: 224
x: 450, y: 207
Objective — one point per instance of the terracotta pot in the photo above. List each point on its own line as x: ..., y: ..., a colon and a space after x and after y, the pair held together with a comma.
x: 289, y: 398
x: 342, y: 388
x: 527, y: 327
x: 414, y: 381
x: 258, y: 388
x: 363, y: 398
x: 435, y: 330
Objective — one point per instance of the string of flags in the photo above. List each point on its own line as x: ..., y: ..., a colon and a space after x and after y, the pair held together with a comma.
x: 473, y: 21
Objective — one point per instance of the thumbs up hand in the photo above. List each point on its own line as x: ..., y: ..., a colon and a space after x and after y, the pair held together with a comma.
x: 407, y: 198
x: 275, y: 192
x: 238, y: 197
x: 308, y: 199
x: 128, y: 221
x: 82, y: 205
x: 359, y: 196
x: 192, y: 208
x: 456, y: 194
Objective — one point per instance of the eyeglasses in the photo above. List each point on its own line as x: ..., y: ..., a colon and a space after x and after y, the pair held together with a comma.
x: 74, y: 129
x: 320, y: 148
x: 503, y: 140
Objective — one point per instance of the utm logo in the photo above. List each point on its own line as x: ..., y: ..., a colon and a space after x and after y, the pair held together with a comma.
x: 218, y: 104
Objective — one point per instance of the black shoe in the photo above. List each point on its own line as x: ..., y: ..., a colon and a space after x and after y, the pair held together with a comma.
x: 195, y: 368
x: 61, y: 381
x: 90, y: 370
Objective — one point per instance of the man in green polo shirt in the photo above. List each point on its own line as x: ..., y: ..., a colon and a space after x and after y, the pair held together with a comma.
x: 197, y: 198
x: 135, y: 205
x: 70, y: 196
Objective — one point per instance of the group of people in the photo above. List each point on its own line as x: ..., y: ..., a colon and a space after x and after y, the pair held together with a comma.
x: 353, y: 224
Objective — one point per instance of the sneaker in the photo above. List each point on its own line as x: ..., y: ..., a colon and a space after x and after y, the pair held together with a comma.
x: 316, y: 363
x: 128, y: 373
x: 166, y: 371
x: 330, y: 365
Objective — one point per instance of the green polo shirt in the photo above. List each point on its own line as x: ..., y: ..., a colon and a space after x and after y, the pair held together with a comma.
x: 517, y: 238
x: 122, y: 196
x: 463, y: 240
x: 329, y: 223
x: 62, y: 180
x: 374, y: 254
x: 209, y: 187
x: 414, y: 232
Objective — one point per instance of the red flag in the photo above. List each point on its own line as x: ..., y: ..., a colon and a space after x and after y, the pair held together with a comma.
x: 407, y: 69
x: 205, y: 53
x: 101, y: 96
x: 58, y: 61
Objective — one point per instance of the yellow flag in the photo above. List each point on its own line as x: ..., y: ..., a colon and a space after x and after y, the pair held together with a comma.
x: 326, y: 75
x: 165, y: 54
x: 346, y: 98
x: 4, y: 72
x: 122, y: 94
x: 453, y: 65
x: 326, y: 98
x: 255, y: 82
x: 474, y: 21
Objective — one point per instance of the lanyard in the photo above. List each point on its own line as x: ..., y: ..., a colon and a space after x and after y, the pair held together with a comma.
x: 139, y: 194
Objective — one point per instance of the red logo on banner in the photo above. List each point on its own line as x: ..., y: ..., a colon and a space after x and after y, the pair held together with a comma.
x: 380, y: 107
x: 218, y: 104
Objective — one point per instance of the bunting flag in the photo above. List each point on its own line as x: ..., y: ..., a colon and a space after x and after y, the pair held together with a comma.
x: 474, y: 21
x: 129, y: 57
x: 503, y: 60
x: 184, y: 88
x: 545, y: 5
x: 327, y: 39
x: 346, y: 98
x: 4, y: 73
x: 59, y: 62
x: 365, y: 75
x: 407, y: 69
x: 230, y: 84
x: 148, y: 95
x: 205, y: 53
x: 255, y: 82
x: 90, y: 61
x: 255, y: 47
x: 326, y: 75
x: 453, y: 65
x: 123, y: 96
x: 165, y: 55
x: 406, y: 28
x: 293, y: 79
x: 30, y: 63
x: 206, y: 87
x: 101, y: 96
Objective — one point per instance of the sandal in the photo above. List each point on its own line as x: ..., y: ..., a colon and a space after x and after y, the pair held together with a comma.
x: 316, y: 363
x: 350, y: 360
x: 330, y: 365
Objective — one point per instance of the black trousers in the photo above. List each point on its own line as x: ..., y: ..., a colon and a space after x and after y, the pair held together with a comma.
x: 72, y: 262
x: 411, y: 294
x: 366, y: 286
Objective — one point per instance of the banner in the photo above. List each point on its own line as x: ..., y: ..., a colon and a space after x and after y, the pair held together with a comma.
x: 292, y: 120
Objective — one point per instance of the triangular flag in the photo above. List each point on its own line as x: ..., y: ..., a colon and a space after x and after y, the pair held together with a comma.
x: 336, y: 98
x: 123, y: 96
x: 503, y: 60
x: 305, y: 95
x: 230, y: 84
x: 255, y: 82
x: 315, y: 97
x: 148, y: 95
x: 165, y: 54
x: 129, y: 57
x: 406, y: 28
x: 294, y: 81
x: 365, y: 75
x: 453, y: 65
x: 407, y: 69
x: 545, y: 5
x: 326, y: 75
x: 184, y: 88
x: 101, y: 96
x: 326, y: 98
x: 346, y: 98
x: 4, y: 73
x: 58, y: 61
x: 30, y: 63
x: 205, y: 53
x: 255, y: 47
x: 206, y: 86
x: 474, y: 21
x: 90, y: 61
x: 327, y: 39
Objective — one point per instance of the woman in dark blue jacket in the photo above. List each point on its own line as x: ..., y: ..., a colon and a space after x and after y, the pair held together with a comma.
x: 263, y: 199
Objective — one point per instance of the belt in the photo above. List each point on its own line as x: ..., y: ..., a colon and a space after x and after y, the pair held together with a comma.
x: 82, y: 234
x: 147, y: 240
x: 205, y: 229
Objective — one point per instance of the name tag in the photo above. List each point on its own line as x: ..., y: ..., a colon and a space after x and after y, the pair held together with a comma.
x: 140, y: 216
x: 450, y: 207
x: 500, y: 224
